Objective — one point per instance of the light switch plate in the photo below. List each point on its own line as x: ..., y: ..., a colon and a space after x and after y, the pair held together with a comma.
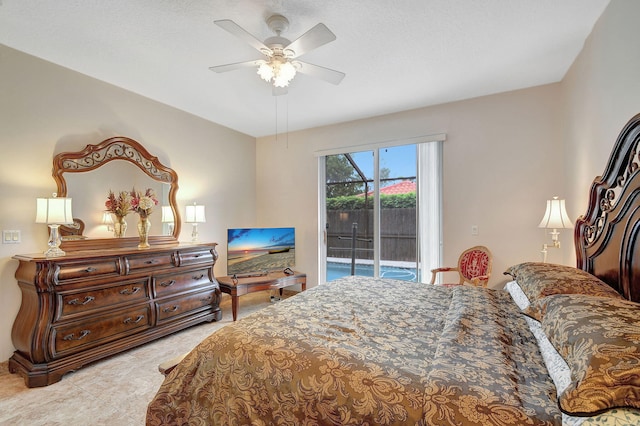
x: 11, y: 237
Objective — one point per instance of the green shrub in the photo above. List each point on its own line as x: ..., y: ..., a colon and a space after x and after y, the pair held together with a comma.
x: 355, y: 202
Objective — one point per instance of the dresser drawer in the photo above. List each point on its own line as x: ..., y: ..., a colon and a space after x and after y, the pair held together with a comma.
x: 70, y: 304
x: 184, y: 305
x: 149, y: 261
x: 179, y: 282
x: 95, y: 303
x: 81, y: 335
x: 72, y: 271
x: 195, y: 257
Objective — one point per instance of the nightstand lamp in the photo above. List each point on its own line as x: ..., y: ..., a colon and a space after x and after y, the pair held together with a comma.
x: 54, y: 212
x: 195, y: 215
x: 555, y: 217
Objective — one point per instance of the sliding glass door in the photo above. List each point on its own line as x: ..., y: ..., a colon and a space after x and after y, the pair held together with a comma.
x: 349, y: 214
x: 398, y: 213
x: 381, y: 212
x: 371, y: 213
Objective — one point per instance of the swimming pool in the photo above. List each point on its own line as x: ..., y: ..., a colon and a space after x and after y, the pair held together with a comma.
x: 337, y: 270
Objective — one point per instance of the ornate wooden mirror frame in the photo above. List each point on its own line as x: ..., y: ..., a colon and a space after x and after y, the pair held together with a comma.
x: 95, y: 156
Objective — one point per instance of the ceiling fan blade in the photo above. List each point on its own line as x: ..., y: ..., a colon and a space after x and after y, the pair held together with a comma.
x: 237, y: 65
x: 315, y: 37
x: 326, y: 74
x: 243, y: 34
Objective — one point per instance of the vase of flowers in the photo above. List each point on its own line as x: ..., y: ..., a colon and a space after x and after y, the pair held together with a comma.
x: 119, y: 227
x: 144, y: 225
x: 143, y: 204
x: 119, y: 205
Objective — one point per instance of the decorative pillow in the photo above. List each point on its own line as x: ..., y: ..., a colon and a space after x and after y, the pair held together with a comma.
x: 538, y: 280
x: 616, y: 417
x: 599, y: 338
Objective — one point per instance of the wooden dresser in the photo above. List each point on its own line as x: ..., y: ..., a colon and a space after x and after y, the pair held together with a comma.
x: 92, y: 304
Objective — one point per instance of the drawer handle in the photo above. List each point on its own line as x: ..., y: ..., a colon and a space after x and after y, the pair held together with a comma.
x: 151, y: 262
x: 83, y: 334
x: 128, y: 320
x: 90, y: 269
x: 198, y: 277
x: 206, y: 299
x: 171, y: 309
x: 128, y: 292
x: 167, y: 283
x: 76, y: 301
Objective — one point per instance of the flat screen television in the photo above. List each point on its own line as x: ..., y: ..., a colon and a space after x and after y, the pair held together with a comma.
x: 260, y: 250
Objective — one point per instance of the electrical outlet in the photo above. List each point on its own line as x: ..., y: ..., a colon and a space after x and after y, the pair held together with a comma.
x: 11, y: 237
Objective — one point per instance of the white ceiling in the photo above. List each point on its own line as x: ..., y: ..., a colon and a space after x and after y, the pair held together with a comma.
x: 397, y: 54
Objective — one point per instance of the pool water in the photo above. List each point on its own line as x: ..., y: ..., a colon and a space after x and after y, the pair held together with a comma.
x: 337, y: 270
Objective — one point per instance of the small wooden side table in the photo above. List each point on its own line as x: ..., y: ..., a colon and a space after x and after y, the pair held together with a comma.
x: 271, y: 281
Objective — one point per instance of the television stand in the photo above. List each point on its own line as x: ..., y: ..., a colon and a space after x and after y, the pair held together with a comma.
x: 239, y: 286
x: 250, y: 275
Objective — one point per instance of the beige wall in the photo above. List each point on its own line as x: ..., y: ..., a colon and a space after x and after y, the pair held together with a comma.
x: 601, y: 92
x: 501, y: 163
x: 46, y: 109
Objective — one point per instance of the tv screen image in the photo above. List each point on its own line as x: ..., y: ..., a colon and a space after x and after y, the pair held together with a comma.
x: 258, y: 250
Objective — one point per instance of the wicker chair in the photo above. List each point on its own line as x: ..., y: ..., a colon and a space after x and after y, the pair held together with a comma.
x: 474, y: 267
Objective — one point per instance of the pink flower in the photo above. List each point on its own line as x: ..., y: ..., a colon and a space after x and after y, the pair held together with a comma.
x: 143, y: 203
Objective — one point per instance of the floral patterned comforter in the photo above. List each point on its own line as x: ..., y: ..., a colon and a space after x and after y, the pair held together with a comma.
x: 366, y: 351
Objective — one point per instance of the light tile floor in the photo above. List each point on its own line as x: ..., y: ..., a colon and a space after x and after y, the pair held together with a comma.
x: 114, y: 391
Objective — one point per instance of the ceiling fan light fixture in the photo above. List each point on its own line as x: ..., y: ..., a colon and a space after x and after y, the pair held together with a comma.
x: 279, y: 64
x: 280, y: 72
x: 266, y: 71
x: 285, y: 74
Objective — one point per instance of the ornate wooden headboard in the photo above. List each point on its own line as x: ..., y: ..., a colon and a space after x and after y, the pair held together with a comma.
x: 606, y: 237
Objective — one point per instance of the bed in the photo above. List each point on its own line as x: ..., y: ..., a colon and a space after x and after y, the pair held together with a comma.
x: 559, y: 345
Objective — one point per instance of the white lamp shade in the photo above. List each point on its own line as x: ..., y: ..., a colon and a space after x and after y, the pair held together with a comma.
x: 556, y: 215
x: 54, y: 211
x: 167, y: 214
x: 107, y: 219
x: 195, y: 214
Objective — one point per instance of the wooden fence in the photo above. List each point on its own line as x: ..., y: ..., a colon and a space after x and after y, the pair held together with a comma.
x: 397, y: 239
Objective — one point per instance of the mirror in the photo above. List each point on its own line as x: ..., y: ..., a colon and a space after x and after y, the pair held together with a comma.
x: 118, y: 164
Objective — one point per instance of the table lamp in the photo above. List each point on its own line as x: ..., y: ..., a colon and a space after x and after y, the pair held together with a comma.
x: 54, y: 212
x: 195, y: 215
x: 107, y: 220
x: 167, y: 217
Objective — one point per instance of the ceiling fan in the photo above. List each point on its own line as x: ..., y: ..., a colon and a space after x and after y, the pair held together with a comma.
x: 280, y: 64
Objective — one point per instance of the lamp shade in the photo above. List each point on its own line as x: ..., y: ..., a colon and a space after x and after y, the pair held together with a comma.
x: 54, y: 211
x: 195, y: 214
x: 167, y: 214
x: 107, y: 219
x: 556, y: 215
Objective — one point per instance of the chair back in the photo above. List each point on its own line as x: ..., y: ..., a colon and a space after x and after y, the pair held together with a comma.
x: 475, y: 262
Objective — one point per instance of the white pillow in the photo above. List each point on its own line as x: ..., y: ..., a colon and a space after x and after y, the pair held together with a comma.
x: 556, y: 366
x: 517, y: 295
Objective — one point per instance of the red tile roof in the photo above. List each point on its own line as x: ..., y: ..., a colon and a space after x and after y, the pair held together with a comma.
x: 403, y: 187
